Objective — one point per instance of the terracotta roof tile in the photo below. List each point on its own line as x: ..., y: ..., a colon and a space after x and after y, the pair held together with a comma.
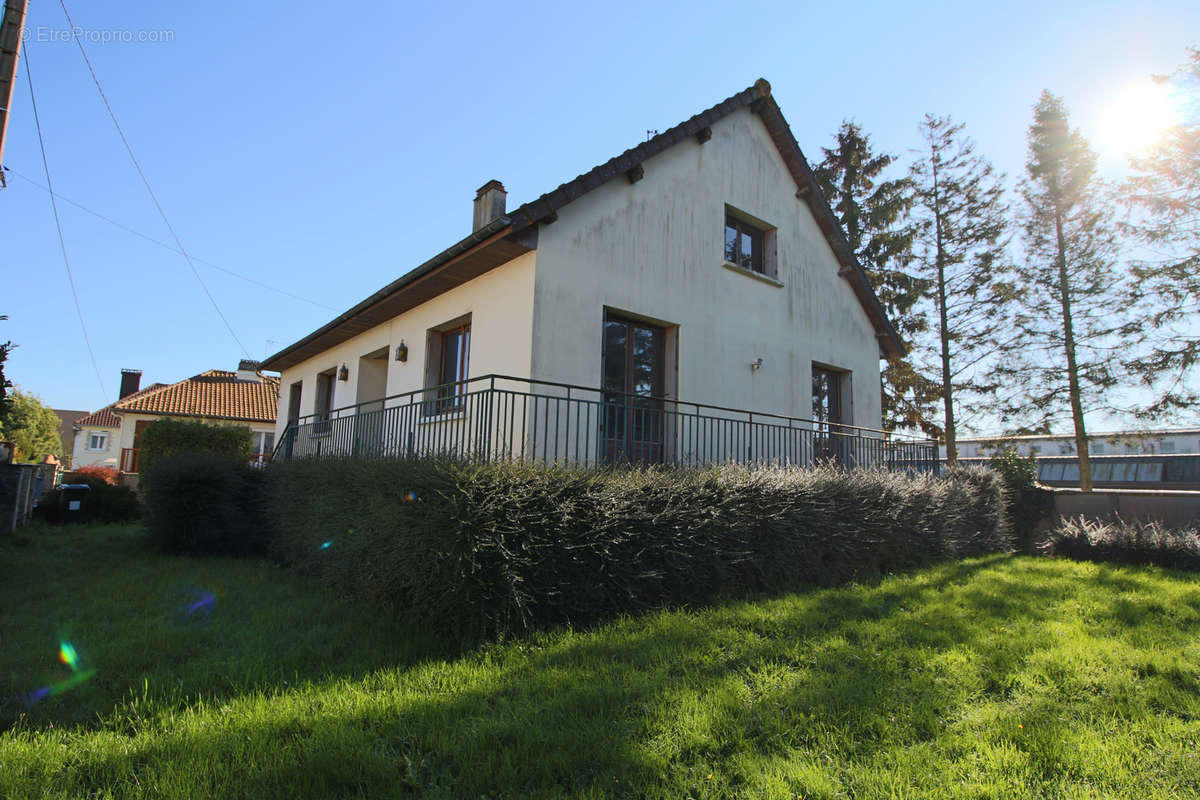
x: 216, y: 394
x: 105, y: 418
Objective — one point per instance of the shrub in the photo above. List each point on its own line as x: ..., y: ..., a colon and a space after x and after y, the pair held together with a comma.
x: 206, y: 504
x: 109, y: 475
x: 169, y: 437
x: 1027, y: 503
x: 489, y: 550
x: 1126, y: 543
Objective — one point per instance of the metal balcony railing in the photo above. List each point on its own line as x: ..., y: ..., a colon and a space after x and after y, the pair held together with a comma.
x: 501, y: 417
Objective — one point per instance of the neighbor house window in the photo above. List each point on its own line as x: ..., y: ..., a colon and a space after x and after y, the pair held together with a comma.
x: 97, y: 441
x: 263, y: 446
x: 1166, y: 447
x: 447, y: 364
x: 1097, y: 448
x: 744, y: 244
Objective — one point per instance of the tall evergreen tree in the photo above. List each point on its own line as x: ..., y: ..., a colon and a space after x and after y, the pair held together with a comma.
x: 873, y: 210
x: 5, y: 384
x: 1164, y: 196
x: 1067, y: 322
x: 960, y: 248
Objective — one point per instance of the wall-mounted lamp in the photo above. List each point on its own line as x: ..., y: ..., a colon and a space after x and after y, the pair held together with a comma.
x: 756, y: 365
x: 344, y: 373
x: 402, y: 351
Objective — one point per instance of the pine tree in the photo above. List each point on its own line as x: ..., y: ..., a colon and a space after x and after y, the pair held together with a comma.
x: 1067, y: 323
x: 960, y: 248
x: 5, y: 384
x: 873, y: 211
x: 1164, y: 196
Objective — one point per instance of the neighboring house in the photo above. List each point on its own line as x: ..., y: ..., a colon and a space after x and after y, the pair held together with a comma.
x: 1165, y: 441
x: 111, y: 436
x: 98, y: 435
x: 66, y: 432
x: 702, y: 266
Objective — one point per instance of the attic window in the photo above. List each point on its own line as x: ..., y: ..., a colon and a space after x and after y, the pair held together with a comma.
x: 743, y: 244
x: 750, y: 244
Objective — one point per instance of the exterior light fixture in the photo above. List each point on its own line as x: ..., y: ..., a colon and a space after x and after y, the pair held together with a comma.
x: 756, y: 365
x: 402, y: 351
x: 344, y: 373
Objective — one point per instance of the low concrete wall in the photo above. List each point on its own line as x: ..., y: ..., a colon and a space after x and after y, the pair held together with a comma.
x: 1176, y: 509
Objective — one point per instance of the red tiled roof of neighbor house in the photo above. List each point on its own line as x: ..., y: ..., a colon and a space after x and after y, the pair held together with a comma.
x: 105, y: 418
x: 216, y: 394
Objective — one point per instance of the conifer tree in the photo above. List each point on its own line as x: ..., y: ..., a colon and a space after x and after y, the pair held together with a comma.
x: 873, y: 210
x: 5, y: 384
x: 1164, y: 196
x: 960, y: 249
x: 1067, y: 320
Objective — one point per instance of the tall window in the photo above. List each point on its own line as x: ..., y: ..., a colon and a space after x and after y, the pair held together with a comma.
x: 447, y: 365
x: 830, y: 438
x: 743, y: 244
x: 293, y: 415
x: 324, y: 401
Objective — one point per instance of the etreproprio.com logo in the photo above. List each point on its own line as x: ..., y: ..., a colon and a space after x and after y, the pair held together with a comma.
x: 46, y: 33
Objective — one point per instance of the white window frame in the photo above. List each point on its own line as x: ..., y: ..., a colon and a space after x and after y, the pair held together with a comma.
x: 103, y: 437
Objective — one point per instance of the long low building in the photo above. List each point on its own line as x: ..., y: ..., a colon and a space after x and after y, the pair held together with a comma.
x: 1165, y: 441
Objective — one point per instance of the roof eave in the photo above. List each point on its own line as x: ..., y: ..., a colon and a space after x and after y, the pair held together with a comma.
x: 501, y: 226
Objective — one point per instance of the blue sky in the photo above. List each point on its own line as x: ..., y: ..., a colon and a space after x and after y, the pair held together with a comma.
x: 326, y: 149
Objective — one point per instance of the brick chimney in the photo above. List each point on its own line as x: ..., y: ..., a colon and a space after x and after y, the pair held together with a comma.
x: 131, y: 379
x: 489, y: 203
x: 247, y: 371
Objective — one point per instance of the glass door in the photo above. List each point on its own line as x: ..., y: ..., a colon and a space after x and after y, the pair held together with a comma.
x: 632, y: 424
x: 829, y: 437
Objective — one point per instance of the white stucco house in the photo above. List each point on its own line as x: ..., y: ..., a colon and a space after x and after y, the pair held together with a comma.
x: 691, y: 299
x: 110, y: 437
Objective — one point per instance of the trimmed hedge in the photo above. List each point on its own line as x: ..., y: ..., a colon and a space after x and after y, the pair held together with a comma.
x: 204, y: 504
x: 1123, y: 542
x: 492, y: 550
x: 171, y: 437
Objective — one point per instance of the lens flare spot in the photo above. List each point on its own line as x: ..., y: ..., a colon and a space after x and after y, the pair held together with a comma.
x: 325, y: 545
x: 37, y: 695
x: 199, y: 604
x: 410, y: 496
x: 67, y: 655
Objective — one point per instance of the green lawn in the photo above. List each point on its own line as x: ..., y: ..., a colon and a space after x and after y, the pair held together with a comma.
x: 1004, y: 677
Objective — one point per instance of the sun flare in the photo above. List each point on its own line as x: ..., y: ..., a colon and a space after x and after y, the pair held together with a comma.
x: 1136, y: 115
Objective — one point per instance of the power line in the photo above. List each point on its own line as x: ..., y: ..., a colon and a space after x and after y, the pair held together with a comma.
x: 167, y: 246
x: 62, y: 242
x: 145, y: 181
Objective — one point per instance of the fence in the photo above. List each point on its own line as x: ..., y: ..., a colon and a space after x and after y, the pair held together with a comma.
x: 502, y: 417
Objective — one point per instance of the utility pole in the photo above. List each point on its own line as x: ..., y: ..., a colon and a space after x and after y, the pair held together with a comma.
x: 11, y: 29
